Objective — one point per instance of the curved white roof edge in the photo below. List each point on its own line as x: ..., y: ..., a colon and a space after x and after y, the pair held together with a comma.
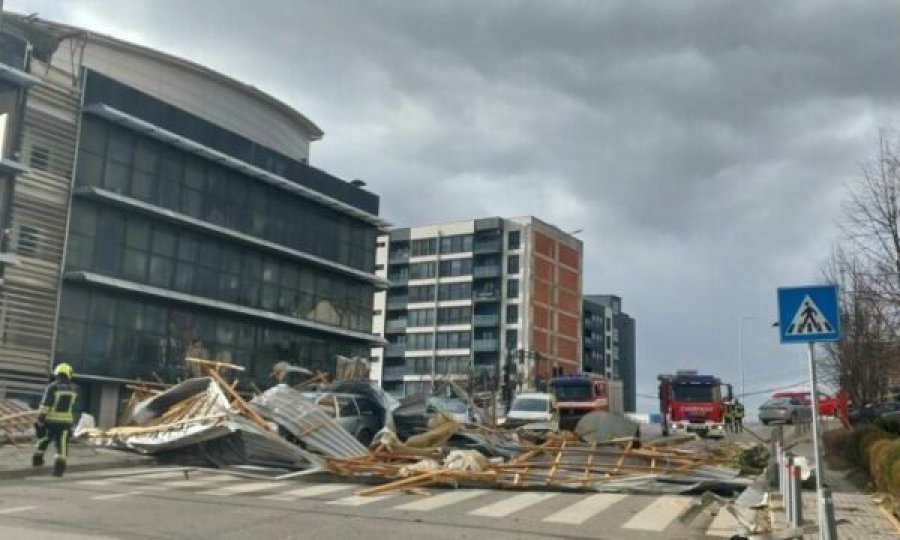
x: 308, y: 125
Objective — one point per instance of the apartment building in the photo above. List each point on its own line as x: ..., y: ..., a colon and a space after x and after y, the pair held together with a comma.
x: 487, y: 302
x: 609, y: 343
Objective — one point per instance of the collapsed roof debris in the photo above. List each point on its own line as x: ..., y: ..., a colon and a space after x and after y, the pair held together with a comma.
x: 205, y: 420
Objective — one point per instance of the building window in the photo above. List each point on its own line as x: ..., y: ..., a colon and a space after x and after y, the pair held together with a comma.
x: 456, y: 244
x: 513, y: 239
x: 512, y: 288
x: 455, y: 315
x: 40, y: 158
x: 425, y: 246
x: 456, y: 267
x: 421, y: 293
x: 455, y: 291
x: 29, y: 240
x: 512, y: 339
x: 454, y: 340
x: 422, y: 270
x: 512, y: 314
x: 512, y: 264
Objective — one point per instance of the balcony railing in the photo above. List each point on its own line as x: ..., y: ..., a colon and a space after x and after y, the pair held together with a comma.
x: 395, y: 325
x: 485, y: 295
x: 398, y: 256
x: 397, y: 302
x: 487, y: 320
x: 486, y: 344
x: 486, y: 271
x: 394, y: 372
x: 487, y: 246
x: 394, y: 349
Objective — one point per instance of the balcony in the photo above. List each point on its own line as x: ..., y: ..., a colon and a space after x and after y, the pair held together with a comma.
x: 485, y: 295
x: 398, y: 256
x: 397, y: 302
x: 487, y: 246
x: 397, y: 325
x: 394, y: 372
x: 487, y: 320
x: 486, y: 271
x: 485, y: 345
x: 398, y: 280
x: 395, y: 349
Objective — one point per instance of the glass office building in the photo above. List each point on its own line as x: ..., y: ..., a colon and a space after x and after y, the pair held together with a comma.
x: 185, y: 237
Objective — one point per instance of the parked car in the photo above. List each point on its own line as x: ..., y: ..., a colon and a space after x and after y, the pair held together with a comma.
x: 827, y: 403
x: 533, y: 408
x: 357, y: 414
x: 871, y: 412
x: 787, y: 410
x: 456, y: 407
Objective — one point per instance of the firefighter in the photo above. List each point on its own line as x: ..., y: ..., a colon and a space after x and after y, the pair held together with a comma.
x: 738, y: 416
x: 729, y: 417
x: 59, y: 410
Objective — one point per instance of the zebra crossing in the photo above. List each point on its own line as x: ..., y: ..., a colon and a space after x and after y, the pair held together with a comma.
x: 636, y: 513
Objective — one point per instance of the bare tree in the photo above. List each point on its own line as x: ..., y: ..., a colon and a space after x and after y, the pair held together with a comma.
x: 867, y: 268
x: 862, y: 361
x: 873, y: 218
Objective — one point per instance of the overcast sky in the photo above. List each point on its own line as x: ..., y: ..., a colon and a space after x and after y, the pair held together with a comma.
x: 704, y: 148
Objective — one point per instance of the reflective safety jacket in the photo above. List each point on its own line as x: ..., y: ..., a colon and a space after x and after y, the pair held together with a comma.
x: 61, y: 402
x: 739, y: 410
x: 729, y: 411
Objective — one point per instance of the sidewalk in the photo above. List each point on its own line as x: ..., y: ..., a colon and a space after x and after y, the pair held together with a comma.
x: 857, y: 515
x: 15, y: 461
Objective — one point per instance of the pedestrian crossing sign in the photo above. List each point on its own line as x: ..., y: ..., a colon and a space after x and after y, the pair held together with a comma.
x: 808, y: 314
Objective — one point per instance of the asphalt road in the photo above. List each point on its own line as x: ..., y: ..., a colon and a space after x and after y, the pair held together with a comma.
x: 159, y: 503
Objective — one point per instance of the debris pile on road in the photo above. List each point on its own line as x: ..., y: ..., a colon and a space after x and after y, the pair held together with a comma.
x: 205, y: 420
x: 560, y: 463
x: 16, y: 420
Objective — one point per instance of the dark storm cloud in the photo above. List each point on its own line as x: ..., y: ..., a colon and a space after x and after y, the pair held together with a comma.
x: 702, y: 146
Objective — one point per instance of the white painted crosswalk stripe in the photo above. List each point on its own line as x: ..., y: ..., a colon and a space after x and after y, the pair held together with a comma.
x: 243, y: 487
x: 360, y: 500
x: 510, y: 505
x: 307, y: 492
x: 16, y: 509
x: 439, y: 501
x: 200, y: 481
x: 585, y: 509
x: 132, y: 479
x: 109, y: 496
x: 659, y: 514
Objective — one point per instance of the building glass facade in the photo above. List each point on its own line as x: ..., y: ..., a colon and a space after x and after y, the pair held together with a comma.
x: 202, y: 291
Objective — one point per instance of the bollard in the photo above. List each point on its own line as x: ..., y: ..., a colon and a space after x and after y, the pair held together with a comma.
x: 788, y: 495
x: 779, y: 465
x: 797, y: 497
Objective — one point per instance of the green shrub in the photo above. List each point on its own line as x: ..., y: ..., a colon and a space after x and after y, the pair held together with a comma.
x: 884, y: 465
x: 876, y: 456
x: 864, y: 437
x: 891, y: 425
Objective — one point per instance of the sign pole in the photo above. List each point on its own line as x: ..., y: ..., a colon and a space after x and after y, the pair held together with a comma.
x: 824, y: 502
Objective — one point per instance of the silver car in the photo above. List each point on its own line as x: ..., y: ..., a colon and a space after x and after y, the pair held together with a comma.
x: 356, y: 414
x: 785, y: 410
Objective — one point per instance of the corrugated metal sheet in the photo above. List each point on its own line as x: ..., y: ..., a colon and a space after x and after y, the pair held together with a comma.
x: 307, y: 422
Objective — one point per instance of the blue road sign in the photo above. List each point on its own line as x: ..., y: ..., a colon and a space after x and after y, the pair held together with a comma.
x: 808, y: 314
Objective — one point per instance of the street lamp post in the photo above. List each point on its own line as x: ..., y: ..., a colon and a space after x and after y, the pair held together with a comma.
x: 741, y: 349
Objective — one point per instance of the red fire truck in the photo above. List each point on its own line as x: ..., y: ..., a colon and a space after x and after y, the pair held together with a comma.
x: 690, y: 402
x: 578, y: 394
